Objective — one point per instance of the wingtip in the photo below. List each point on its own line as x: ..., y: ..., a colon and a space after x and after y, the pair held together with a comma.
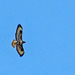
x: 21, y: 55
x: 19, y: 25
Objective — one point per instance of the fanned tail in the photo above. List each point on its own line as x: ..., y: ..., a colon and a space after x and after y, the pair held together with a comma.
x: 14, y: 43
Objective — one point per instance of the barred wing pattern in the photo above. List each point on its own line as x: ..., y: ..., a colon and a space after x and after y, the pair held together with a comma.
x: 18, y: 37
x: 20, y: 50
x: 18, y: 34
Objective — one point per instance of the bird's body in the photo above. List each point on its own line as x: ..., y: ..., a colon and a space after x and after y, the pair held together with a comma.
x: 14, y: 43
x: 18, y: 42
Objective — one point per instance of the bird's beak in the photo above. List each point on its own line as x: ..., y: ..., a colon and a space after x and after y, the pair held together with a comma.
x: 24, y: 42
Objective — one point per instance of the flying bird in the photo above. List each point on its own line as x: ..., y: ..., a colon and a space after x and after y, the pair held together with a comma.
x: 18, y: 42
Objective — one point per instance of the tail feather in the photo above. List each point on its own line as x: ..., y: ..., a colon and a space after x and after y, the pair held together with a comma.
x: 14, y: 43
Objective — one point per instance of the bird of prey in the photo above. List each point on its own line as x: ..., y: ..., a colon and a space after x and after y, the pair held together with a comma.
x: 18, y: 42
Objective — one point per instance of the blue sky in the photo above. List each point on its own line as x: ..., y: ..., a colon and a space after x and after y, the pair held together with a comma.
x: 49, y: 32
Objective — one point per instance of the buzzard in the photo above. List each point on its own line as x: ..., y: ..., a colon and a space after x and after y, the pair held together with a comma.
x: 18, y: 42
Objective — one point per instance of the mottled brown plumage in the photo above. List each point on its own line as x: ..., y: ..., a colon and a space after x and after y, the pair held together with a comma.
x: 18, y: 42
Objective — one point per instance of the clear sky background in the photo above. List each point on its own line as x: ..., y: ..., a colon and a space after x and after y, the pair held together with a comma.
x: 49, y: 32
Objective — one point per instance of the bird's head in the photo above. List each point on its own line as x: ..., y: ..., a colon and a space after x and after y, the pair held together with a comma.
x: 23, y: 41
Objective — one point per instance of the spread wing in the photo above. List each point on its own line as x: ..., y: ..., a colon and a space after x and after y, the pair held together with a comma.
x: 18, y: 34
x: 20, y: 50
